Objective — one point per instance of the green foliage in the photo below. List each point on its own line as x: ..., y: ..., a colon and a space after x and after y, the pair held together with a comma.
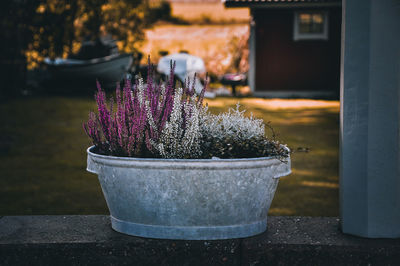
x: 54, y: 28
x: 239, y: 49
x: 125, y: 21
x: 161, y: 11
x: 60, y: 23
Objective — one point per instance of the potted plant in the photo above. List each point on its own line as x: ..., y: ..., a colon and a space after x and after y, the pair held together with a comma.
x: 170, y: 169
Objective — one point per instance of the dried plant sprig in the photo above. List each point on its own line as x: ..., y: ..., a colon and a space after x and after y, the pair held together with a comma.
x: 233, y: 135
x: 233, y: 124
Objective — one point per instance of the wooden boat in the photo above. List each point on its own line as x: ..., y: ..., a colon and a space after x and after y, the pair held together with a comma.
x: 76, y: 72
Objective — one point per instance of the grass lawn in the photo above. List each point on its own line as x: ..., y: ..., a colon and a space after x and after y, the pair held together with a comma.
x: 43, y: 155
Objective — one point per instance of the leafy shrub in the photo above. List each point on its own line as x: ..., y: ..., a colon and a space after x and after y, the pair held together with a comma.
x: 162, y: 11
x: 170, y: 121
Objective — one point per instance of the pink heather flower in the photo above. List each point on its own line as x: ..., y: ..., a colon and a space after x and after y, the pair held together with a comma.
x: 131, y: 129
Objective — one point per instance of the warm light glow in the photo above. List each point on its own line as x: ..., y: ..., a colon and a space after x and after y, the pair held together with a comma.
x: 311, y: 22
x: 106, y: 7
x: 276, y: 104
x: 210, y: 42
x: 280, y: 211
x: 41, y: 9
x: 320, y: 184
x: 305, y: 18
x: 318, y: 18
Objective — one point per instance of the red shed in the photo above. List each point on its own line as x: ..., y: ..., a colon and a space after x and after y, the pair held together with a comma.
x: 294, y: 47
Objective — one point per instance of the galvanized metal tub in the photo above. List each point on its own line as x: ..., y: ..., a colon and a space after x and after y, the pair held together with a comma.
x: 200, y: 199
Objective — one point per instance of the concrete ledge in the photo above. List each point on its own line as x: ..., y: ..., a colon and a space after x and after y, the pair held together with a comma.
x: 89, y: 240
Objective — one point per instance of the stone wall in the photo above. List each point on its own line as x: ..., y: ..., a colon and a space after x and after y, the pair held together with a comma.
x: 89, y: 240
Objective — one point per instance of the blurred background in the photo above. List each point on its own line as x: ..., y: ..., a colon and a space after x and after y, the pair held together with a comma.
x: 52, y: 51
x: 36, y: 33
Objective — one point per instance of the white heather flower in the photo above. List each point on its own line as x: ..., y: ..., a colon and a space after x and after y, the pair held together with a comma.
x: 140, y: 91
x: 192, y: 135
x: 232, y: 124
x: 149, y: 115
x: 180, y: 138
x: 162, y: 96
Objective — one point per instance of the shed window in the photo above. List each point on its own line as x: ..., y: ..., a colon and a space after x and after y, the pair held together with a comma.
x: 310, y: 25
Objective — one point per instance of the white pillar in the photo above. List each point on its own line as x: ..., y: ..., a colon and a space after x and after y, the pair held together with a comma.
x: 370, y: 115
x: 251, y: 79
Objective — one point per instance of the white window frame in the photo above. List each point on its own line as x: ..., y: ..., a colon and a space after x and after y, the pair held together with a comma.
x: 298, y: 36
